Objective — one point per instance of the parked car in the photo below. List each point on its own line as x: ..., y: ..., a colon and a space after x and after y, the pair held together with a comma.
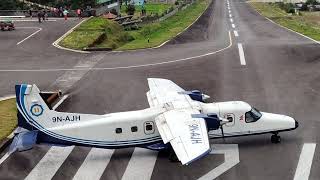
x: 7, y: 25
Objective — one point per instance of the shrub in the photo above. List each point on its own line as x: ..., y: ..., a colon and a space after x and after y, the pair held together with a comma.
x: 125, y: 37
x: 149, y: 29
x: 130, y: 9
x: 176, y: 3
x: 171, y: 9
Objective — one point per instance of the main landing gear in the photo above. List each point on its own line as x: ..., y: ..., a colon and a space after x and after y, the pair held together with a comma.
x: 275, y: 138
x: 171, y: 154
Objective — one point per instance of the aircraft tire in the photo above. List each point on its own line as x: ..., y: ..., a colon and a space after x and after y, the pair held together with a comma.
x: 275, y: 139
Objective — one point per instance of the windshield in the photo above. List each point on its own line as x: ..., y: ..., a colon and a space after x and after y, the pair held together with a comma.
x: 253, y: 115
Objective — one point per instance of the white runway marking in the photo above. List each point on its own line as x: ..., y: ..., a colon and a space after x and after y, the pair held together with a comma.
x: 141, y: 164
x: 231, y: 158
x: 50, y: 163
x: 230, y: 11
x: 241, y: 54
x: 230, y: 15
x: 236, y: 33
x: 231, y: 20
x: 122, y: 67
x: 69, y: 78
x: 39, y: 29
x: 305, y: 162
x: 4, y: 157
x: 94, y: 164
x: 233, y: 26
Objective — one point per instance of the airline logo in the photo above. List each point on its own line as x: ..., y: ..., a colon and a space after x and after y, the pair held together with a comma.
x: 36, y: 110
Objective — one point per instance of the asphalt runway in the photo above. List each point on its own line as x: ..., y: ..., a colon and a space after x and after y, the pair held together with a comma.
x: 277, y: 73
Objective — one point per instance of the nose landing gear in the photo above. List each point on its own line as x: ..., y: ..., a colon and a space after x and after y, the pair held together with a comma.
x: 275, y: 138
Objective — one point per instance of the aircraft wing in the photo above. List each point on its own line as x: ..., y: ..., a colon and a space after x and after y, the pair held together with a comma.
x: 163, y: 91
x: 188, y: 136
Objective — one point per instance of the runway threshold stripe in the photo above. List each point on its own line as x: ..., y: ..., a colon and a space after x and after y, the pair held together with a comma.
x: 233, y: 26
x: 305, y: 162
x: 236, y: 33
x: 94, y: 164
x: 141, y: 164
x: 50, y: 163
x: 241, y: 54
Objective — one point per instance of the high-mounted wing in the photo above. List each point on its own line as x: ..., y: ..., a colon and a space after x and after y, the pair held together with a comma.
x: 164, y: 91
x: 188, y: 136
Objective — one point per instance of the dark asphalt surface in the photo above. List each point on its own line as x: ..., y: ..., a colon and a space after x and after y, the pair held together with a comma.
x: 281, y: 76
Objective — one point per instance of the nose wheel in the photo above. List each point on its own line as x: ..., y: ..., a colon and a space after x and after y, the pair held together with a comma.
x: 275, y: 138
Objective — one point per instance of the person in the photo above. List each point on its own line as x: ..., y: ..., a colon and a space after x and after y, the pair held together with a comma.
x: 39, y: 16
x: 45, y: 15
x: 65, y: 14
x: 79, y: 13
x: 30, y: 13
x: 60, y: 11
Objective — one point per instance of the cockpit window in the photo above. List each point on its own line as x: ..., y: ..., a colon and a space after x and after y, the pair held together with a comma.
x: 253, y: 115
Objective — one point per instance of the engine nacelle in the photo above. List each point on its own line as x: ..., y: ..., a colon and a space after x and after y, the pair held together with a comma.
x: 196, y: 95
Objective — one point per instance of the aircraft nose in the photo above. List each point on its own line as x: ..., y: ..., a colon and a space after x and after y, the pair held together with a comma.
x: 296, y: 124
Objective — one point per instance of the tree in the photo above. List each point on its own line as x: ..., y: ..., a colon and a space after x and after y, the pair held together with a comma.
x: 312, y: 2
x: 10, y: 5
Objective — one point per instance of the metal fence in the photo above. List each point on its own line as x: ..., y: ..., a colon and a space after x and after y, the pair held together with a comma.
x: 72, y: 13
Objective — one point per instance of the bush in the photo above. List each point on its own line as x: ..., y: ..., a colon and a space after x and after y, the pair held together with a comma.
x: 176, y: 3
x: 149, y: 29
x: 312, y: 2
x: 287, y: 7
x: 130, y: 9
x: 125, y: 37
x: 171, y: 9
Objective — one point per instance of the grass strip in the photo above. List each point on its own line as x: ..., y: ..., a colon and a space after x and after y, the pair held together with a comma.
x: 89, y: 32
x: 162, y: 31
x: 8, y: 120
x: 303, y: 24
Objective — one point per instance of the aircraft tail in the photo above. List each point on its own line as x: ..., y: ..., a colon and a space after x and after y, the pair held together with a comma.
x: 38, y: 123
x: 31, y: 105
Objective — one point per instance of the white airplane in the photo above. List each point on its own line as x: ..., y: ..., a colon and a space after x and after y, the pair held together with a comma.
x: 178, y: 120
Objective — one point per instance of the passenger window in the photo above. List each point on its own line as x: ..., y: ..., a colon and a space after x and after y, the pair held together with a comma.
x: 118, y: 130
x: 134, y: 129
x: 149, y: 127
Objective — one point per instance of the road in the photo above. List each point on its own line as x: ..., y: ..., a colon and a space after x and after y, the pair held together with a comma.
x: 277, y: 72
